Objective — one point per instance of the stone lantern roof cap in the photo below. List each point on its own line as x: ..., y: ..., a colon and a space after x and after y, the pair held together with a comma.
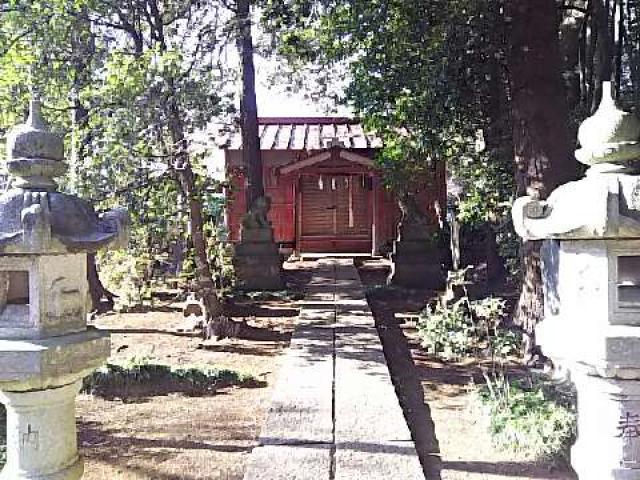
x: 606, y: 203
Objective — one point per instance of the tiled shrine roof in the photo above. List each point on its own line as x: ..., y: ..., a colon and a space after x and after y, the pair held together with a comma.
x: 305, y: 133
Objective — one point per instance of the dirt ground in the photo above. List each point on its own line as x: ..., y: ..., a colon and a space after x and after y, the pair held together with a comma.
x: 451, y: 441
x: 176, y: 436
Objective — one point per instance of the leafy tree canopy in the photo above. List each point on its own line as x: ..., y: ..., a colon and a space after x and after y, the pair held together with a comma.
x: 132, y: 85
x: 426, y: 75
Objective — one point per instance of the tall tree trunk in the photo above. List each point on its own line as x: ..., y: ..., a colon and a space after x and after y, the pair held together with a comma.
x: 632, y: 49
x: 571, y: 51
x: 602, y: 17
x: 257, y: 264
x: 187, y: 181
x: 543, y: 157
x: 251, y: 156
x: 186, y: 177
x: 97, y: 291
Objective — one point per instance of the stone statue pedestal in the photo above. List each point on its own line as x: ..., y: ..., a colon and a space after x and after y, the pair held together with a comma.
x: 257, y: 261
x: 416, y: 260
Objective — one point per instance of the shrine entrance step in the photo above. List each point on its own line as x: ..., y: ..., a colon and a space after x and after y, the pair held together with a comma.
x: 334, y: 413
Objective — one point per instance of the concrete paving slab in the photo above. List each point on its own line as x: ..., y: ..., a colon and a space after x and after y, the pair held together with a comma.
x: 301, y: 409
x: 372, y: 438
x: 286, y: 462
x: 356, y: 318
x: 377, y: 461
x: 316, y: 316
x: 334, y: 412
x: 317, y: 297
x: 366, y: 404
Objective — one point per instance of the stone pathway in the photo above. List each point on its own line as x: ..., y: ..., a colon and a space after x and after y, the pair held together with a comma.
x: 334, y: 413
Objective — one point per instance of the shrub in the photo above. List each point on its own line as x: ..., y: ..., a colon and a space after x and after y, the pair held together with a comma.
x: 138, y: 377
x: 504, y: 343
x: 126, y: 275
x: 465, y: 326
x: 534, y: 418
x: 447, y: 330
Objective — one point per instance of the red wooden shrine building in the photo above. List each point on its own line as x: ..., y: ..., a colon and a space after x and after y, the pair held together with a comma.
x: 326, y: 194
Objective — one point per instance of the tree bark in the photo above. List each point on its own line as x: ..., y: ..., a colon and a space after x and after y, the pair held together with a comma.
x: 571, y: 26
x: 83, y: 49
x: 603, y: 50
x: 186, y: 178
x: 97, y: 291
x: 632, y: 50
x: 543, y: 157
x: 187, y: 181
x: 251, y: 156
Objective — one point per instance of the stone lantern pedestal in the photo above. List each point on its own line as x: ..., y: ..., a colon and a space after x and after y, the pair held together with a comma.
x: 591, y: 273
x: 46, y: 348
x: 607, y: 446
x: 36, y: 419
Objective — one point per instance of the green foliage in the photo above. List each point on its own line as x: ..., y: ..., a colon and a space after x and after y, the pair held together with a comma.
x: 508, y: 243
x: 126, y: 276
x: 448, y: 330
x: 113, y: 80
x: 427, y: 76
x: 220, y: 250
x: 464, y: 327
x: 534, y: 418
x: 488, y: 187
x: 141, y: 377
x: 504, y: 343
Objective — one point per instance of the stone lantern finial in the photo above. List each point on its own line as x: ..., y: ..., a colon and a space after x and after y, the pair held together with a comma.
x: 35, y: 115
x: 610, y: 138
x: 34, y: 154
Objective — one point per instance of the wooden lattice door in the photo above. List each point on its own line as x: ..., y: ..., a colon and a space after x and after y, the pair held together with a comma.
x: 335, y: 213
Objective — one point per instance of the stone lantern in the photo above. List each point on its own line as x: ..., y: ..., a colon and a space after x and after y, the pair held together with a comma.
x: 591, y: 272
x: 46, y: 347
